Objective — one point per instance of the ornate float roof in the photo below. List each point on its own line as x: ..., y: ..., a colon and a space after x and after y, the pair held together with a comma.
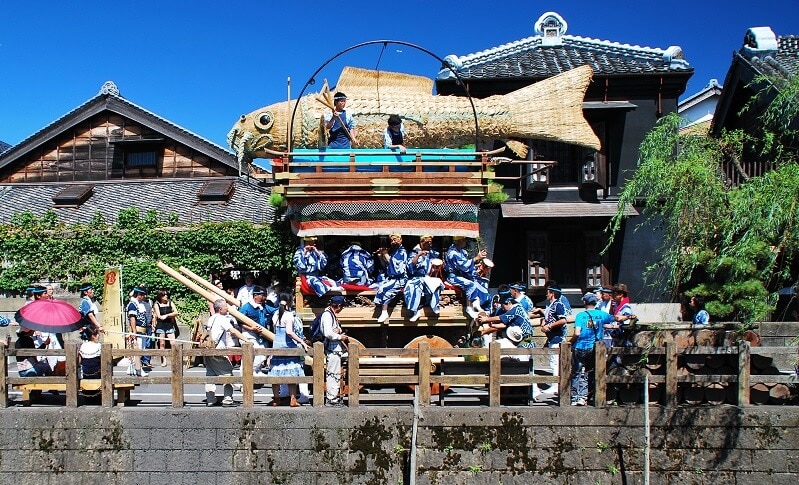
x: 551, y: 52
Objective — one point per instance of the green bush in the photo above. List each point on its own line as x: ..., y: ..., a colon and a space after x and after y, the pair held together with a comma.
x: 35, y: 249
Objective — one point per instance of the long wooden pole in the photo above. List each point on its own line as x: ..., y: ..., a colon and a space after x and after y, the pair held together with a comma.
x: 213, y: 297
x: 207, y: 284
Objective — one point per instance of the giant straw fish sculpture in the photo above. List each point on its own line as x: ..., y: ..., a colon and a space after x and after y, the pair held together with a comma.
x: 549, y: 110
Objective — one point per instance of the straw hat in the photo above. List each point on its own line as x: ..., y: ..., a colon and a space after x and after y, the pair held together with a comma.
x: 514, y: 334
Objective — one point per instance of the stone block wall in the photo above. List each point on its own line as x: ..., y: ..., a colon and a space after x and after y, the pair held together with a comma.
x: 142, y: 446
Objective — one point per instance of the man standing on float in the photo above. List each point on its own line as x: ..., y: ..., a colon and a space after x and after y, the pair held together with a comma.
x: 341, y: 124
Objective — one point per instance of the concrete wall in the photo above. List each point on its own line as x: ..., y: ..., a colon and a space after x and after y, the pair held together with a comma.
x: 722, y: 444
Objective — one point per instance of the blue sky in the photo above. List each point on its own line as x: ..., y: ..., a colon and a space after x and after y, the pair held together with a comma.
x: 202, y: 64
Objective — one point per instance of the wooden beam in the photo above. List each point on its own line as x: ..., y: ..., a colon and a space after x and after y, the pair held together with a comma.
x: 743, y: 373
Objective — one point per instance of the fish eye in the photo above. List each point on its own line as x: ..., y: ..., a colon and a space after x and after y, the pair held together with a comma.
x: 264, y: 120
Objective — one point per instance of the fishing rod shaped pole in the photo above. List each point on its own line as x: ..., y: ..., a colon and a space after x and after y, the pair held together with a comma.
x: 312, y: 80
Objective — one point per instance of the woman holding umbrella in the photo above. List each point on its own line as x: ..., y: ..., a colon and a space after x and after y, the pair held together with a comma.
x: 30, y: 366
x: 46, y: 316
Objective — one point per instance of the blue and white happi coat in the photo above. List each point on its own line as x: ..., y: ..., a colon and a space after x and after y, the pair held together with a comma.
x: 396, y: 276
x: 418, y: 291
x: 517, y: 316
x: 311, y: 264
x: 357, y: 265
x: 461, y: 274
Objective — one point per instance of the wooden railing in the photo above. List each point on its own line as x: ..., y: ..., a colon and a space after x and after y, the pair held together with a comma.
x: 401, y: 367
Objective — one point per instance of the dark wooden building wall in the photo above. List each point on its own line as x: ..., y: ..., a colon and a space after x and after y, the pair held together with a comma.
x: 576, y: 241
x: 95, y: 150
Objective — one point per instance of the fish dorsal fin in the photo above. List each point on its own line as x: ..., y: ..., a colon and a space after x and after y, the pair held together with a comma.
x: 356, y: 79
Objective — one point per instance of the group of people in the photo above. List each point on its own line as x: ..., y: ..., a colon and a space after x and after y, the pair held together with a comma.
x: 30, y: 366
x: 88, y: 352
x: 420, y: 275
x: 509, y: 316
x: 266, y: 310
x: 606, y: 318
x: 607, y: 311
x: 148, y: 319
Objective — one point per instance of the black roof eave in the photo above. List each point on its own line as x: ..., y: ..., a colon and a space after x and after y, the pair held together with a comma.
x: 741, y: 71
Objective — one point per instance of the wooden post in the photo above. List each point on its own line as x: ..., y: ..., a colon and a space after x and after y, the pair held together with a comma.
x: 671, y: 374
x: 247, y: 383
x: 176, y: 360
x: 600, y: 373
x: 494, y: 373
x: 3, y: 377
x: 107, y: 374
x: 318, y: 374
x: 353, y: 371
x: 743, y: 373
x: 565, y: 371
x: 424, y: 373
x: 73, y: 383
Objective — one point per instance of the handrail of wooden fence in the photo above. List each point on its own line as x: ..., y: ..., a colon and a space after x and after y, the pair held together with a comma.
x: 379, y: 366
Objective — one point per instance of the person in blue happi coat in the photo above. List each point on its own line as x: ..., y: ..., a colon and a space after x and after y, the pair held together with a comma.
x: 311, y: 262
x: 423, y: 289
x: 394, y: 259
x: 517, y: 292
x: 460, y: 268
x: 357, y: 265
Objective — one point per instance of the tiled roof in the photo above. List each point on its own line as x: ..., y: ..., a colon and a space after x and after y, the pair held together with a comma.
x: 783, y: 62
x: 529, y: 58
x: 247, y: 203
x: 713, y: 88
x: 111, y: 100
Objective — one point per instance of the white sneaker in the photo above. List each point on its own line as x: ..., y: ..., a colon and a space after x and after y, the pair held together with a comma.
x: 383, y: 317
x: 476, y: 306
x: 415, y: 316
x: 472, y: 312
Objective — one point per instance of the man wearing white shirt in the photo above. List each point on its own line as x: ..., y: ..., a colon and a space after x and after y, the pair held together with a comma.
x: 244, y: 295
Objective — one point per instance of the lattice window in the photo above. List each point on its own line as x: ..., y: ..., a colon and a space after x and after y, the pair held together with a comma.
x: 596, y: 271
x: 140, y: 159
x: 537, y: 265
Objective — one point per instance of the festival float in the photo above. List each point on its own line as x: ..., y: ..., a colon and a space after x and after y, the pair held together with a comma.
x: 435, y: 187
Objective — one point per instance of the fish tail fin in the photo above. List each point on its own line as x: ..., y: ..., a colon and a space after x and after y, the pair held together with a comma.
x: 552, y: 109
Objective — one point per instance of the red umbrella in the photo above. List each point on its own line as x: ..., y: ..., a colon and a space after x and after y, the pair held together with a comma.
x: 53, y: 316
